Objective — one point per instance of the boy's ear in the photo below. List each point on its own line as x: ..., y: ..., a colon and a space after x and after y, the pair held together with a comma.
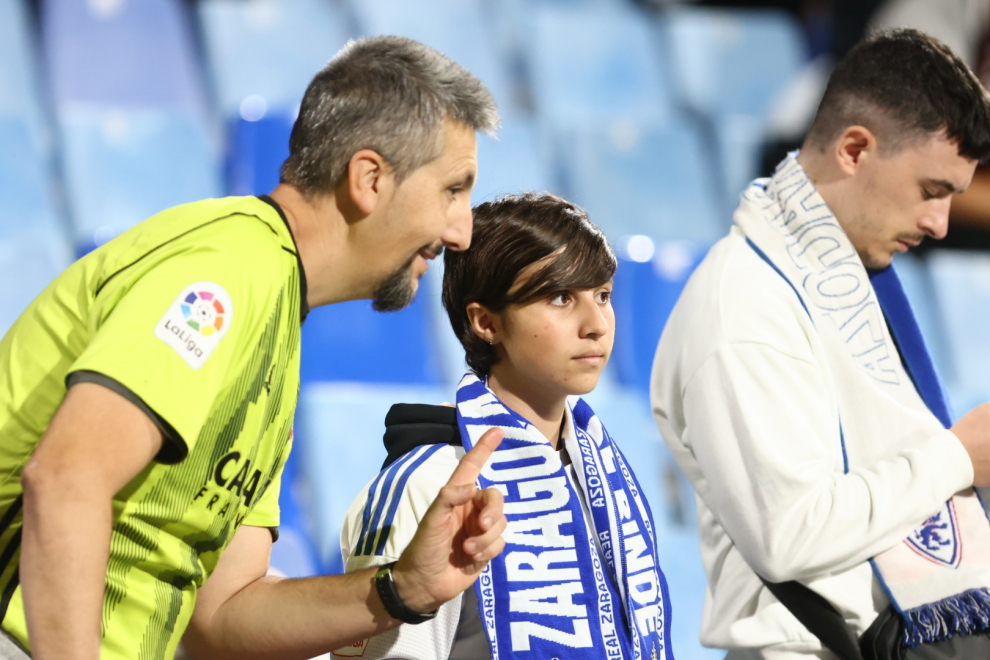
x: 483, y: 322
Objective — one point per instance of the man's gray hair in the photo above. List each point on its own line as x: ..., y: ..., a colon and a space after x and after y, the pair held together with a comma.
x: 388, y: 94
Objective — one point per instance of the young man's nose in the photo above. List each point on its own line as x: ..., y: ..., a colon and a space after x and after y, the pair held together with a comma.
x: 935, y: 223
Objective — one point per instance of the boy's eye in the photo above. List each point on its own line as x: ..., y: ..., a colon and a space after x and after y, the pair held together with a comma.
x: 604, y: 297
x: 560, y: 299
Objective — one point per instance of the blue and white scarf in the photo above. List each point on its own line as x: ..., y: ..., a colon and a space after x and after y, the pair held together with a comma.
x: 938, y: 578
x: 548, y: 595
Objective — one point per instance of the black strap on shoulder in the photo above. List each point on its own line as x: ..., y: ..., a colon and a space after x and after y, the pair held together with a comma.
x: 818, y: 616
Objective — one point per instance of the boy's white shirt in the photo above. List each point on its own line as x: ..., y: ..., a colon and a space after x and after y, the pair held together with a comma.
x: 433, y: 639
x: 743, y: 395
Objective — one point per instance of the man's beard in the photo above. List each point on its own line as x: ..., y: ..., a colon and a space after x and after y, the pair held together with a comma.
x: 397, y: 290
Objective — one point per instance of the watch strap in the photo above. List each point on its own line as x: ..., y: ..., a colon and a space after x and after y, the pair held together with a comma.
x: 393, y: 603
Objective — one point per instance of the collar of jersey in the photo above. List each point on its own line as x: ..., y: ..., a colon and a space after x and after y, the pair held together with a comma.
x: 303, y: 304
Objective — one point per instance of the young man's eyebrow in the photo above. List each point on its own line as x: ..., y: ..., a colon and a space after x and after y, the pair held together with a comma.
x: 942, y: 183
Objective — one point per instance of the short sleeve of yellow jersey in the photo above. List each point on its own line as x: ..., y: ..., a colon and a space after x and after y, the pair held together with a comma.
x: 266, y: 512
x: 174, y: 331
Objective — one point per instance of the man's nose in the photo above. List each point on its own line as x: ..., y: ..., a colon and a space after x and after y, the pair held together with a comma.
x: 457, y: 236
x: 936, y: 222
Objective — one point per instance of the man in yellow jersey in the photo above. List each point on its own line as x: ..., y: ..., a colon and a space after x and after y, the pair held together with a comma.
x: 147, y: 395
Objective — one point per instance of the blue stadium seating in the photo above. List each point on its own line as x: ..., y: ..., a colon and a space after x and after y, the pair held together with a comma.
x: 644, y: 295
x: 352, y: 342
x: 33, y: 246
x: 962, y: 283
x: 919, y: 286
x: 595, y: 65
x: 262, y: 56
x: 339, y: 445
x: 295, y: 555
x: 122, y: 53
x: 648, y: 181
x: 510, y: 163
x: 733, y: 61
x: 131, y: 112
x: 255, y: 151
x: 456, y: 28
x: 122, y: 166
x: 268, y: 49
x: 19, y: 86
x: 728, y: 66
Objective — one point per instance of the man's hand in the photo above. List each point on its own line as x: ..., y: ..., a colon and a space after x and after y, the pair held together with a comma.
x: 460, y: 533
x: 973, y: 430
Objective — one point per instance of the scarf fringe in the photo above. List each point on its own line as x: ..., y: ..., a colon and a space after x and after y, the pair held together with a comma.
x: 964, y: 614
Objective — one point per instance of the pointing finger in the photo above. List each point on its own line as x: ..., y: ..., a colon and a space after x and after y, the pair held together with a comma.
x: 470, y: 466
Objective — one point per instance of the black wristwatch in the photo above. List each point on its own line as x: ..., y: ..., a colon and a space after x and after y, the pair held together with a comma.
x: 393, y: 603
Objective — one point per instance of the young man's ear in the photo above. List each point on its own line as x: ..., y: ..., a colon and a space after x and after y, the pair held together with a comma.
x: 369, y: 179
x: 483, y: 322
x: 852, y: 145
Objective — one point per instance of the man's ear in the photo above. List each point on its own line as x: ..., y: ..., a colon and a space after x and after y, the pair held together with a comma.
x: 853, y: 144
x: 369, y: 180
x: 486, y: 324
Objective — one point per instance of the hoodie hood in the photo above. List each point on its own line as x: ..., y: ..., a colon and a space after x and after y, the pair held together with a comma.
x: 410, y: 425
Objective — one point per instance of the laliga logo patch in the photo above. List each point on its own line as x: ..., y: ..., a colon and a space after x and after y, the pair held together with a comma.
x: 196, y: 322
x: 938, y: 538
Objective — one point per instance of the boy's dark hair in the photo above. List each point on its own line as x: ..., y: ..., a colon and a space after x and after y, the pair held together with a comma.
x: 510, y: 234
x: 904, y: 86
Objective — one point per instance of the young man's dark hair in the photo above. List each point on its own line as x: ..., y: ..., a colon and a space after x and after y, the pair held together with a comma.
x: 904, y: 85
x: 511, y: 234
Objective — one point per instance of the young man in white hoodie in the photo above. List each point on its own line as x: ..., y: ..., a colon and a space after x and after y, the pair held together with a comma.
x: 808, y: 419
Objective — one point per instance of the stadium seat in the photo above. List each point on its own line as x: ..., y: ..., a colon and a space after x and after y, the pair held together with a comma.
x: 124, y: 165
x: 268, y: 50
x: 916, y: 278
x: 510, y: 163
x: 456, y: 28
x: 33, y: 244
x: 295, y: 554
x: 648, y: 283
x: 595, y: 65
x: 19, y: 86
x: 339, y: 445
x: 733, y: 61
x: 29, y: 261
x: 130, y: 108
x: 650, y: 181
x: 262, y: 55
x: 121, y: 53
x: 728, y: 65
x: 962, y: 284
x: 352, y: 342
x: 255, y: 152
